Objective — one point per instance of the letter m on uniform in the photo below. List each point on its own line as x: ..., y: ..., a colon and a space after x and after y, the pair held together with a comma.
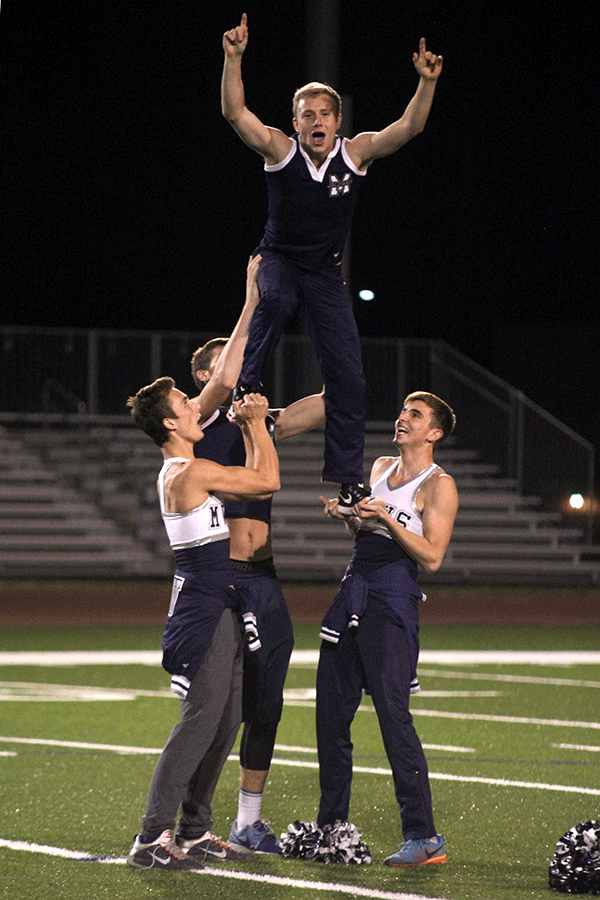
x: 214, y: 517
x: 339, y: 186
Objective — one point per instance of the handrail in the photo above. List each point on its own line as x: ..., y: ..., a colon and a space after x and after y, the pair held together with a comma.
x: 94, y: 370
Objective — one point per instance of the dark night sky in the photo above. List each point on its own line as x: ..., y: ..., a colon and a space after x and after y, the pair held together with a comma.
x: 129, y: 201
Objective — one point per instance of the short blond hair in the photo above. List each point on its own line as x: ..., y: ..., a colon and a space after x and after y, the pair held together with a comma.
x: 313, y: 89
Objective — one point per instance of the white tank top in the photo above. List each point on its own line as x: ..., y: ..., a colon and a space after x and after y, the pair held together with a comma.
x: 202, y: 525
x: 400, y: 501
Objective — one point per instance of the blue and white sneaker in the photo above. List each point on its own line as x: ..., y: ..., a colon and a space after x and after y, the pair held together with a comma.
x: 419, y: 852
x: 259, y: 837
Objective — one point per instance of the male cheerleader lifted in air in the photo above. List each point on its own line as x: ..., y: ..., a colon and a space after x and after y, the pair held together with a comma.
x: 312, y: 184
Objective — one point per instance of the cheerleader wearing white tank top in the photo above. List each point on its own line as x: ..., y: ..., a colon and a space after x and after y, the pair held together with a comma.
x: 202, y: 525
x: 399, y: 501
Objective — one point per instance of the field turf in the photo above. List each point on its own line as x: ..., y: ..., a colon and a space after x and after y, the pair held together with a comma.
x: 512, y: 739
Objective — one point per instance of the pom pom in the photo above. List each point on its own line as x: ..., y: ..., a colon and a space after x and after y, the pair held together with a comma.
x: 575, y: 868
x: 339, y: 843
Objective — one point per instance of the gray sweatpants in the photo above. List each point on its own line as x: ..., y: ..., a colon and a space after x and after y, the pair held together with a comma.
x: 187, y: 772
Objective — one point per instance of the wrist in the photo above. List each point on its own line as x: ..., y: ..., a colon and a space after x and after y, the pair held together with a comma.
x: 233, y: 60
x: 385, y: 518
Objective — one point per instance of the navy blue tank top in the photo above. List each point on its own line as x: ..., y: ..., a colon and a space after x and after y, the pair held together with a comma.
x: 310, y: 209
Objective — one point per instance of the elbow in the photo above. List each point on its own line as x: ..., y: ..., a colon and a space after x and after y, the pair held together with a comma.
x: 231, y: 114
x: 270, y: 484
x: 223, y: 385
x: 227, y: 110
x: 432, y: 565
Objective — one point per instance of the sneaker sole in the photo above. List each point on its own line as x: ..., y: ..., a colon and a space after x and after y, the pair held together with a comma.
x: 196, y: 867
x: 426, y: 862
x: 211, y: 858
x: 241, y: 847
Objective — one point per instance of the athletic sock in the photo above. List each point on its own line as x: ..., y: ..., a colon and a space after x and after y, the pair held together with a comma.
x: 248, y: 808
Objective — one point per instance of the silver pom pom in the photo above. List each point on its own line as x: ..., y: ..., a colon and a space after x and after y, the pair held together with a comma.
x: 339, y: 843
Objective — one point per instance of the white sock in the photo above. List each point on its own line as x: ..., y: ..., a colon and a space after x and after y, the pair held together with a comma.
x: 248, y: 808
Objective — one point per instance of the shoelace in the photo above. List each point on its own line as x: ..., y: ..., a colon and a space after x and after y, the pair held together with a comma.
x: 215, y: 840
x: 174, y: 849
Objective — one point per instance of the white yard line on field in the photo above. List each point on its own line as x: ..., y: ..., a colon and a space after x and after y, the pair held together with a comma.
x: 475, y: 717
x: 120, y: 748
x: 311, y: 693
x: 38, y: 691
x: 484, y: 657
x: 261, y: 878
x: 285, y: 748
x: 306, y: 764
x: 509, y: 720
x: 515, y: 679
x: 585, y: 747
x: 305, y: 657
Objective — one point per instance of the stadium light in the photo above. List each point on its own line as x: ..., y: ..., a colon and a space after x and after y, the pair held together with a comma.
x: 580, y: 503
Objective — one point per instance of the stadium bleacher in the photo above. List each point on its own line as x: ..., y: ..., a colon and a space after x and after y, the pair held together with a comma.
x: 81, y: 502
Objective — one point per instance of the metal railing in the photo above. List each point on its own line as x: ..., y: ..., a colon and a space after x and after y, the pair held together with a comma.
x: 79, y: 373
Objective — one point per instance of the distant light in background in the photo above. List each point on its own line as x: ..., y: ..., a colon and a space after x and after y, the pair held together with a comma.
x: 580, y: 503
x: 366, y: 295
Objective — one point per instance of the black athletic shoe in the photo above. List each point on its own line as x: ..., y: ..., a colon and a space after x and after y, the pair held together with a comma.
x: 210, y: 848
x: 241, y: 389
x: 163, y: 853
x: 350, y: 495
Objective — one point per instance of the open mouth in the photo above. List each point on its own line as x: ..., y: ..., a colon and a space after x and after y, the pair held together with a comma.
x: 318, y: 137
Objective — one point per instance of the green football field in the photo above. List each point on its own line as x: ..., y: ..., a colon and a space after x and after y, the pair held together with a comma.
x: 509, y: 717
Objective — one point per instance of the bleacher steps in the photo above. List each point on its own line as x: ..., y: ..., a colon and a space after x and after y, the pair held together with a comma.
x: 86, y: 503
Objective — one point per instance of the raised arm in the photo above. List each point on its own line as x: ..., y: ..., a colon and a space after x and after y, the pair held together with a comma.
x: 204, y: 476
x: 227, y: 371
x: 271, y: 143
x: 261, y: 456
x: 370, y: 145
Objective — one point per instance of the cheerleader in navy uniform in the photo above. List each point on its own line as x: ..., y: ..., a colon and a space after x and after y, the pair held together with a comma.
x: 312, y: 184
